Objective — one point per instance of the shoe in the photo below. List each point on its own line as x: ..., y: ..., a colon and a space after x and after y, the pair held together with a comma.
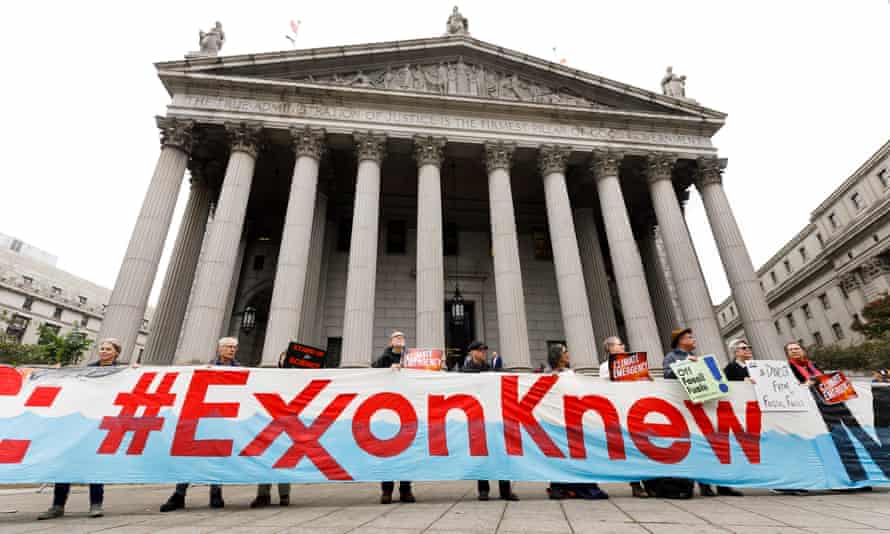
x: 175, y: 502
x: 706, y: 490
x: 725, y: 491
x: 386, y: 498
x: 261, y: 501
x: 216, y: 501
x: 52, y: 513
x: 797, y: 492
x: 483, y: 495
x: 284, y: 500
x: 638, y: 492
x: 510, y: 497
x: 406, y: 496
x: 556, y: 494
x: 96, y: 510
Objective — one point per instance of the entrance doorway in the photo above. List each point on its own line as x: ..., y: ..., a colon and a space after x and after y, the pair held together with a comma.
x: 459, y: 336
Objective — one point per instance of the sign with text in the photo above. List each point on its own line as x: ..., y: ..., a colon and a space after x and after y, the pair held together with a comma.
x: 628, y: 367
x: 424, y: 359
x: 304, y: 356
x: 777, y: 388
x: 701, y: 378
x: 834, y: 387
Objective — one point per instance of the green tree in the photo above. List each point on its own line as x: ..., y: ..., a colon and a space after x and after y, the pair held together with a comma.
x: 62, y: 349
x: 877, y: 319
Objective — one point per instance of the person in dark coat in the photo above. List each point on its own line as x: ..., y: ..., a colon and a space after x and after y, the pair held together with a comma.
x: 109, y: 350
x: 736, y: 370
x: 392, y: 357
x: 477, y: 362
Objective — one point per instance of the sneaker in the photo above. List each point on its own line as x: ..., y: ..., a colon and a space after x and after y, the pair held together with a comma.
x: 216, y: 501
x: 483, y: 495
x: 556, y: 494
x: 261, y: 501
x: 96, y: 510
x: 510, y: 497
x: 407, y: 496
x: 639, y: 492
x: 284, y: 500
x: 386, y: 498
x: 175, y: 502
x: 706, y: 490
x: 52, y: 513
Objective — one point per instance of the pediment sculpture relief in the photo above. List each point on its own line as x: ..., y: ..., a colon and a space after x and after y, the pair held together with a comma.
x: 456, y: 78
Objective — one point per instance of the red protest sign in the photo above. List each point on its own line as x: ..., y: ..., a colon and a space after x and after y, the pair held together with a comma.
x: 628, y: 367
x: 835, y: 387
x: 304, y: 356
x: 425, y: 359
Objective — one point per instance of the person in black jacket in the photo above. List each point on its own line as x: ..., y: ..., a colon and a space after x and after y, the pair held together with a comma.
x: 392, y: 357
x: 477, y: 362
x: 736, y: 370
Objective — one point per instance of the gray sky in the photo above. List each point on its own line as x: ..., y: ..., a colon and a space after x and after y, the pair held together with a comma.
x: 805, y: 84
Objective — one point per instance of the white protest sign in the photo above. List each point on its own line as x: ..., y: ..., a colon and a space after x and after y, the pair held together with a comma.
x: 776, y: 387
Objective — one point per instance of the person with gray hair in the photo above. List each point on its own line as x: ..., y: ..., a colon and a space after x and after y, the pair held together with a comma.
x: 736, y: 370
x: 226, y: 349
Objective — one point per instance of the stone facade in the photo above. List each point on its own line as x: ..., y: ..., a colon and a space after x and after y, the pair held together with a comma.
x: 818, y: 283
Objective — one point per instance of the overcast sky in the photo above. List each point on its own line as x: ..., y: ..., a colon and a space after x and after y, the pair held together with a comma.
x: 805, y: 84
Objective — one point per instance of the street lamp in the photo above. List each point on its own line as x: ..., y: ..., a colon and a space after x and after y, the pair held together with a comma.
x: 457, y: 307
x: 248, y: 319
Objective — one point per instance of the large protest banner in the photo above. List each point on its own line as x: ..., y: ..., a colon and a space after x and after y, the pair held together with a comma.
x: 237, y: 425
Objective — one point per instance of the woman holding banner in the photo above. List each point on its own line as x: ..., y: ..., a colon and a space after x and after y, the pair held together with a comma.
x: 109, y: 350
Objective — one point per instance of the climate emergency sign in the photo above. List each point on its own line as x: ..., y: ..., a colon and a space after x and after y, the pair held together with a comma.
x: 237, y: 425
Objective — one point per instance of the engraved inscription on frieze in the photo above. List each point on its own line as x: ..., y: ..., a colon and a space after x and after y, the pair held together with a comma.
x: 456, y: 78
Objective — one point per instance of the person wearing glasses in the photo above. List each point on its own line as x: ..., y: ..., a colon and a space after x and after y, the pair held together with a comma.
x: 737, y: 370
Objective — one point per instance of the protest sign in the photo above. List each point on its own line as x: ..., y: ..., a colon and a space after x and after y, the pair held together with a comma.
x: 424, y: 359
x: 701, y: 378
x: 835, y: 387
x: 777, y: 388
x: 628, y: 367
x: 304, y: 356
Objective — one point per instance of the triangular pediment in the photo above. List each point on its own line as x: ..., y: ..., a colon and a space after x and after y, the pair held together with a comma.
x: 454, y: 66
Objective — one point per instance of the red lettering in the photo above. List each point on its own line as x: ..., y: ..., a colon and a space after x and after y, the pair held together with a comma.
x: 194, y: 409
x: 439, y: 406
x: 12, y: 451
x: 642, y: 432
x: 10, y: 381
x: 361, y: 425
x: 749, y: 439
x: 518, y: 414
x: 304, y: 441
x: 575, y: 408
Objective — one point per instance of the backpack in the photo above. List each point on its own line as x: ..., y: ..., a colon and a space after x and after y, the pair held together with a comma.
x: 670, y: 488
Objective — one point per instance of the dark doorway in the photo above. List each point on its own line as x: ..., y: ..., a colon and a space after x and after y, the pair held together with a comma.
x: 459, y: 336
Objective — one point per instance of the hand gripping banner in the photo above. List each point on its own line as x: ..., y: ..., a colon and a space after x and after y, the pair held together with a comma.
x: 237, y: 425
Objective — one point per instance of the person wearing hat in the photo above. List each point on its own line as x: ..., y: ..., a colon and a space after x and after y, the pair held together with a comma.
x: 477, y: 362
x: 392, y: 357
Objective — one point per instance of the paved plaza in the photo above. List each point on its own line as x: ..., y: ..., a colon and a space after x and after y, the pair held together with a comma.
x: 449, y: 508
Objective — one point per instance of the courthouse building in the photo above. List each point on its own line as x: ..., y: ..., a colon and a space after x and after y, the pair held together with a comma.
x: 339, y: 193
x: 819, y: 282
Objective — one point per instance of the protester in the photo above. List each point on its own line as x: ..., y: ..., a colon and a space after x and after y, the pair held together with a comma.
x: 392, y: 357
x: 559, y: 361
x: 736, y: 370
x: 109, y: 350
x: 477, y: 362
x: 497, y: 362
x: 264, y: 491
x: 226, y: 349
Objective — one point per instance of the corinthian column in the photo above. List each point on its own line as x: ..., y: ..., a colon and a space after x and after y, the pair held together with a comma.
x: 358, y: 320
x: 746, y: 291
x: 173, y: 300
x: 566, y: 258
x: 286, y: 310
x: 129, y: 298
x: 691, y: 289
x: 512, y: 322
x: 313, y: 316
x: 599, y: 295
x: 428, y: 152
x: 208, y: 306
x: 636, y: 306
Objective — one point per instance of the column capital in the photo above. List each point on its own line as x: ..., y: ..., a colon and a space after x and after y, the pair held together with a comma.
x: 370, y: 146
x: 660, y: 166
x: 429, y: 150
x: 308, y: 142
x: 244, y: 137
x: 709, y: 171
x: 498, y: 155
x: 553, y: 159
x: 605, y: 163
x: 176, y: 133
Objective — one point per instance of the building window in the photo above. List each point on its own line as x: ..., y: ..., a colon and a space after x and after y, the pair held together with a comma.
x: 15, y: 246
x: 85, y: 322
x: 451, y: 240
x: 344, y: 234
x: 27, y: 281
x: 731, y: 310
x: 778, y: 326
x: 883, y: 178
x: 773, y: 277
x: 832, y: 220
x: 145, y: 324
x: 29, y: 301
x: 820, y: 239
x: 844, y: 292
x: 791, y: 322
x: 850, y: 255
x: 259, y: 261
x: 838, y: 331
x: 83, y: 300
x: 723, y: 317
x: 396, y: 237
x: 856, y: 200
x: 15, y: 329
x: 803, y: 253
x: 817, y: 337
x: 823, y: 299
x: 57, y: 291
x: 876, y: 238
x: 787, y: 264
x: 806, y: 311
x: 57, y: 313
x: 762, y: 288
